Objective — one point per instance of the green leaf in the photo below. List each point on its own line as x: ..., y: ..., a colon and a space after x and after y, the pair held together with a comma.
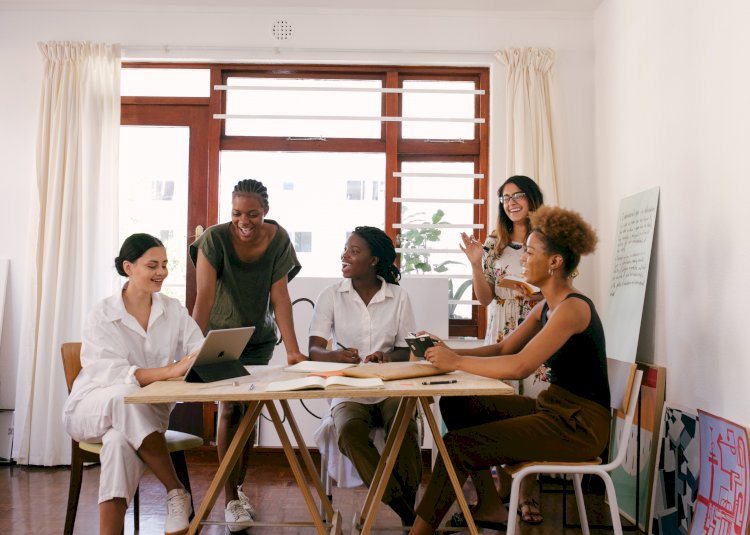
x: 462, y: 289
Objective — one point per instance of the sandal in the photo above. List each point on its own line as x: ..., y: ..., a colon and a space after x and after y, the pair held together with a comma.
x: 529, y: 512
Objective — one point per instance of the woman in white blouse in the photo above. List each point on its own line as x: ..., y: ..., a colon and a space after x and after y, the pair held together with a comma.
x: 369, y: 316
x: 130, y: 340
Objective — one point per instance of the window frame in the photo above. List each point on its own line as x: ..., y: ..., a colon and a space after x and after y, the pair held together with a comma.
x: 396, y: 149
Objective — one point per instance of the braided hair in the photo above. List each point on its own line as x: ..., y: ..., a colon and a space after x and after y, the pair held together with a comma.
x: 133, y: 248
x: 254, y: 187
x: 381, y: 246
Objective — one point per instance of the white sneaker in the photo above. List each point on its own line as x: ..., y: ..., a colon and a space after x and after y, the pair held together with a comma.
x: 179, y: 508
x: 245, y: 501
x: 236, y: 517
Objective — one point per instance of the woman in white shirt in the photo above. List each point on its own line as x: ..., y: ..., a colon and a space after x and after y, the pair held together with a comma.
x: 130, y: 340
x: 369, y: 315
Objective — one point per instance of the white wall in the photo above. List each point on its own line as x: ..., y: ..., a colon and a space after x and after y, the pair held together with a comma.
x: 381, y: 36
x: 672, y: 110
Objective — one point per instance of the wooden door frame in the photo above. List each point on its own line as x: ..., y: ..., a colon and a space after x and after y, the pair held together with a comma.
x: 194, y: 114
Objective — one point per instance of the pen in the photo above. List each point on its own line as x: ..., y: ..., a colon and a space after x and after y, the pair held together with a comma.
x: 439, y: 382
x: 342, y: 346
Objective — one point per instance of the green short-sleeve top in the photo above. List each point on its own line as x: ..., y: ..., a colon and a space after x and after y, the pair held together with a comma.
x: 243, y: 289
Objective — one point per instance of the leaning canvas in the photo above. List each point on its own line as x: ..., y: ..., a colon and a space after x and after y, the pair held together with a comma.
x: 676, y: 474
x: 723, y: 499
x: 634, y: 479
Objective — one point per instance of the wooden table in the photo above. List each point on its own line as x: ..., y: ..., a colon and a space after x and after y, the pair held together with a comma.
x: 252, y: 390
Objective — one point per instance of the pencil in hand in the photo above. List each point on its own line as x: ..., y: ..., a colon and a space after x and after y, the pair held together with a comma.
x: 355, y: 352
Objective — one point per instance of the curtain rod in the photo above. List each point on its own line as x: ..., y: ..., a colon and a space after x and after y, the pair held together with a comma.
x: 277, y: 51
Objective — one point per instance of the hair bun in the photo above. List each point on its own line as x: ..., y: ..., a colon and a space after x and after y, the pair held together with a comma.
x: 118, y: 266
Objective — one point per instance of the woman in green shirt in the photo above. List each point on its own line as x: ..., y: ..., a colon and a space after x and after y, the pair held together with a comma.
x: 242, y: 270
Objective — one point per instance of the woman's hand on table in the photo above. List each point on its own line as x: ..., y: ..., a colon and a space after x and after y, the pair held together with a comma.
x: 295, y: 357
x: 378, y: 356
x: 349, y: 355
x: 442, y: 357
x: 182, y: 366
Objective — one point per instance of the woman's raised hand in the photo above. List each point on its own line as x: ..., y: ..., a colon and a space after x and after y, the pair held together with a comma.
x: 473, y: 250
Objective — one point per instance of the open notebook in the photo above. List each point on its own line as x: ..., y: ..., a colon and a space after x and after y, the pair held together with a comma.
x: 324, y: 383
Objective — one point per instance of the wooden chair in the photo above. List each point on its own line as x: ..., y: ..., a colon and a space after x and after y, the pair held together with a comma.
x: 87, y: 452
x: 624, y: 384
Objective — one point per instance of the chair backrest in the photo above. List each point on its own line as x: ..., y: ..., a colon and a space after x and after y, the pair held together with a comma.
x: 624, y: 385
x: 621, y: 375
x: 71, y: 357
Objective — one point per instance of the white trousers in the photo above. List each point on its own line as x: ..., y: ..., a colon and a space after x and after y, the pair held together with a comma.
x: 102, y: 416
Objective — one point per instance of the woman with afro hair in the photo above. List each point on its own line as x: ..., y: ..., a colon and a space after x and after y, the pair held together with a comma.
x: 569, y: 421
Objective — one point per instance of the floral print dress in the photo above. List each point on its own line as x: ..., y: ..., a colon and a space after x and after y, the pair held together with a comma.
x: 510, y: 307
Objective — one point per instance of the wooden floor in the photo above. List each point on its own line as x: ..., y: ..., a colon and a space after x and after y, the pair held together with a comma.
x: 33, y: 500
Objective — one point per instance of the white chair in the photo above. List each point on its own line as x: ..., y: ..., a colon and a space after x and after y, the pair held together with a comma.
x: 624, y: 384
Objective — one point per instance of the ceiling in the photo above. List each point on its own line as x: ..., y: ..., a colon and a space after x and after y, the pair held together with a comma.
x: 437, y: 5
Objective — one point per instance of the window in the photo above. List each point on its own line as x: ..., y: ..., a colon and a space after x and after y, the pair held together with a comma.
x: 303, y: 242
x: 377, y: 190
x: 355, y: 190
x: 401, y: 148
x: 162, y: 190
x: 166, y: 235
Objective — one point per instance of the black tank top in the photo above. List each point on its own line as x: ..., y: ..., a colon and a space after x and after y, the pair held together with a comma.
x: 580, y: 365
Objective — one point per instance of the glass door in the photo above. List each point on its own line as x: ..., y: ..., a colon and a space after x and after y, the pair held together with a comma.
x: 163, y: 183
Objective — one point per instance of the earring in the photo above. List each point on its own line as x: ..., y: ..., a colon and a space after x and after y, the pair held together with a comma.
x: 574, y: 274
x: 551, y: 272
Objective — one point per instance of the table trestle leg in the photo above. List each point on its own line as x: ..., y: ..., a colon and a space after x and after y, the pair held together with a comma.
x: 230, y: 459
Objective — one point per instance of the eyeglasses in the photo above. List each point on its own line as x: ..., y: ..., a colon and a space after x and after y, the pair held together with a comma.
x: 517, y: 196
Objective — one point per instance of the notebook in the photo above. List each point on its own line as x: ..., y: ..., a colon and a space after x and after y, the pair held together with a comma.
x: 218, y: 357
x: 388, y: 371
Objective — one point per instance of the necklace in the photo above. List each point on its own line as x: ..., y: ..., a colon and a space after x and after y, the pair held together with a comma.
x: 515, y: 246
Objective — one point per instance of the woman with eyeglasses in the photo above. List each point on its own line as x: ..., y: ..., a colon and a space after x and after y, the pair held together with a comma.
x: 509, y: 304
x: 500, y: 256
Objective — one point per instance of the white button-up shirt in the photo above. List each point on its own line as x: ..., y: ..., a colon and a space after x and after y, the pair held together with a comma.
x: 114, y: 345
x: 381, y: 325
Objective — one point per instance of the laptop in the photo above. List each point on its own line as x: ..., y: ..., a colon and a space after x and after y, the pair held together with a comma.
x: 218, y: 357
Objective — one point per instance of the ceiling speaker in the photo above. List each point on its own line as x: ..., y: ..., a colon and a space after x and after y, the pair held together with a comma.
x: 281, y: 30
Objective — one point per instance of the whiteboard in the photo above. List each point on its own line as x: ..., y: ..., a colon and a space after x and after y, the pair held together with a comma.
x: 429, y: 300
x: 627, y: 289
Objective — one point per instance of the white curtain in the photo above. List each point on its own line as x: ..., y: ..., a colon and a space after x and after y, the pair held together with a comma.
x: 73, y: 239
x: 531, y: 147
